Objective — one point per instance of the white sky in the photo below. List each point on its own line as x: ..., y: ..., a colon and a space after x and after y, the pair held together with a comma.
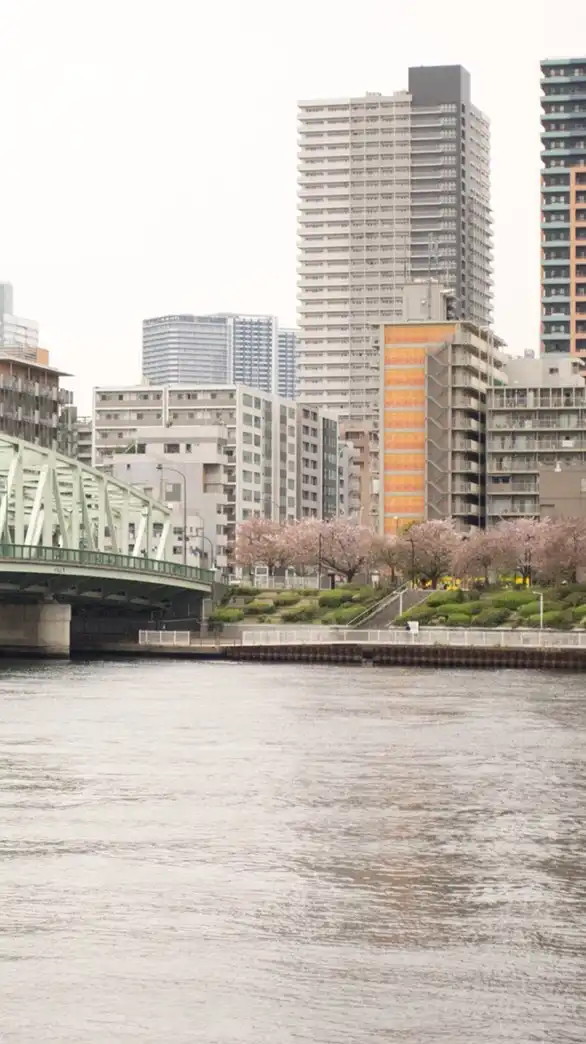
x: 149, y: 150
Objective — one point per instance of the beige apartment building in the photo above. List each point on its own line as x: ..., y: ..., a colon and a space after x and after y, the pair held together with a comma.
x: 536, y: 438
x: 391, y: 188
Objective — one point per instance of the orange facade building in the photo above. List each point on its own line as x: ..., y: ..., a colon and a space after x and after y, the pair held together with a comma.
x: 433, y: 404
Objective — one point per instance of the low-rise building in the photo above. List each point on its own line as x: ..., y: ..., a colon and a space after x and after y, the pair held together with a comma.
x: 229, y: 452
x: 536, y: 438
x: 33, y: 405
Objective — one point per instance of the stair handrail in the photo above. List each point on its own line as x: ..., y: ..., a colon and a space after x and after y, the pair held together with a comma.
x: 381, y: 604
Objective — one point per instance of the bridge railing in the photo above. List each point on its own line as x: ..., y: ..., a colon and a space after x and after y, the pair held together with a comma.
x: 104, y: 560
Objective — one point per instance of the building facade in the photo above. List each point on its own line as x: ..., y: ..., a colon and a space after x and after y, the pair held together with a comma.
x: 563, y: 205
x: 244, y: 454
x: 220, y: 348
x: 433, y: 406
x: 18, y: 336
x: 391, y: 187
x: 287, y: 364
x: 317, y: 464
x: 536, y: 424
x: 184, y: 348
x: 33, y: 406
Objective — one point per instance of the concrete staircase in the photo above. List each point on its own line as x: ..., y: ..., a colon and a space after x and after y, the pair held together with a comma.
x: 383, y: 614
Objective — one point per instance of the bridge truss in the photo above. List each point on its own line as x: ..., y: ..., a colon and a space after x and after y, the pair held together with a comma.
x: 50, y: 500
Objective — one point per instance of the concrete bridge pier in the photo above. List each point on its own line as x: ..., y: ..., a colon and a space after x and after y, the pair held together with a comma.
x: 41, y: 629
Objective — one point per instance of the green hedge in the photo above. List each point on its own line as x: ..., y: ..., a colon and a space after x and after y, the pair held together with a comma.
x: 288, y: 598
x: 458, y: 620
x: 445, y: 597
x: 490, y: 618
x: 346, y: 614
x: 331, y: 599
x: 259, y: 607
x: 450, y: 608
x: 551, y: 619
x: 299, y: 614
x: 511, y: 599
x: 227, y: 614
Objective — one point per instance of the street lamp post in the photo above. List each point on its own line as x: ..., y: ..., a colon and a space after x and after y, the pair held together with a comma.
x: 203, y: 537
x: 162, y: 468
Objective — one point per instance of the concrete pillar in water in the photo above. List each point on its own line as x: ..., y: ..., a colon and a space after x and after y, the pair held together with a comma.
x: 35, y: 630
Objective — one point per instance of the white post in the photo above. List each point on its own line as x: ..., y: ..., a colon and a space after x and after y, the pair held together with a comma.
x: 401, y: 602
x: 541, y: 611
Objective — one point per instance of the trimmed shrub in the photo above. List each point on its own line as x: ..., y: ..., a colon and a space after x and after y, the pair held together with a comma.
x: 244, y: 590
x: 445, y: 597
x: 490, y: 618
x: 258, y: 607
x: 573, y: 600
x: 332, y: 599
x: 512, y: 599
x: 419, y: 612
x: 299, y: 614
x: 578, y: 612
x: 529, y: 609
x: 454, y: 607
x: 458, y: 620
x: 551, y: 619
x: 227, y: 614
x: 288, y: 598
x: 365, y: 594
x: 346, y: 614
x: 473, y: 608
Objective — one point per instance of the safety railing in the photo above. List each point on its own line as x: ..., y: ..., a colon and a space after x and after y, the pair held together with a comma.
x: 63, y: 556
x: 430, y: 636
x: 453, y: 637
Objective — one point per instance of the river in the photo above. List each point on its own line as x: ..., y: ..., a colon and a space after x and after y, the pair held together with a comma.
x: 266, y: 854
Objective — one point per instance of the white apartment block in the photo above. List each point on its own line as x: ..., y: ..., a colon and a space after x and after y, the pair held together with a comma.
x: 391, y: 188
x: 236, y: 447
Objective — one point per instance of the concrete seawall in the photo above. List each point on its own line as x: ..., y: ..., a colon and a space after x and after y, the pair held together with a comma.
x: 356, y: 654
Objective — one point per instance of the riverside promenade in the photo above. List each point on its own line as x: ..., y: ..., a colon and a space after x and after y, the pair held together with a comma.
x: 431, y: 647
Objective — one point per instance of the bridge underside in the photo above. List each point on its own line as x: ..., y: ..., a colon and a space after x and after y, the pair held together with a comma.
x: 103, y: 591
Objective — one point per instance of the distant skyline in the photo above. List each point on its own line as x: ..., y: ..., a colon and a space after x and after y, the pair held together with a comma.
x: 143, y: 176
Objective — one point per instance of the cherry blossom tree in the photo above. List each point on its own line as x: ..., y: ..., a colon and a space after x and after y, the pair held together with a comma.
x: 560, y: 550
x: 427, y: 550
x: 386, y: 555
x: 477, y: 554
x: 345, y: 547
x: 517, y: 543
x: 261, y: 541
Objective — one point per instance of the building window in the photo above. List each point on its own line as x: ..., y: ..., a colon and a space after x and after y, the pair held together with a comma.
x: 171, y: 447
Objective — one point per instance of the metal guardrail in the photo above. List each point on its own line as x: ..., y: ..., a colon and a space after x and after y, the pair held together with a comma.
x: 383, y: 603
x: 443, y: 636
x: 104, y: 560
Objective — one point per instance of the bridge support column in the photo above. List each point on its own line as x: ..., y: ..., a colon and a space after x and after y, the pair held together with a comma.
x: 35, y: 630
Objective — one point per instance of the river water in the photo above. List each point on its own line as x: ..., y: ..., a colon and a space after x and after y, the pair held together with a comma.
x: 266, y: 854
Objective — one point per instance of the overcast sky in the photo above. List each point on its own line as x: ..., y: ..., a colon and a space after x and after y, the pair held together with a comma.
x: 149, y: 150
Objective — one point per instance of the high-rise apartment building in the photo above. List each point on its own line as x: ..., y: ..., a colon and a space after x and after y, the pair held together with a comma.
x: 220, y: 348
x: 563, y: 205
x: 184, y: 348
x: 391, y: 188
x: 287, y: 364
x: 17, y: 335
